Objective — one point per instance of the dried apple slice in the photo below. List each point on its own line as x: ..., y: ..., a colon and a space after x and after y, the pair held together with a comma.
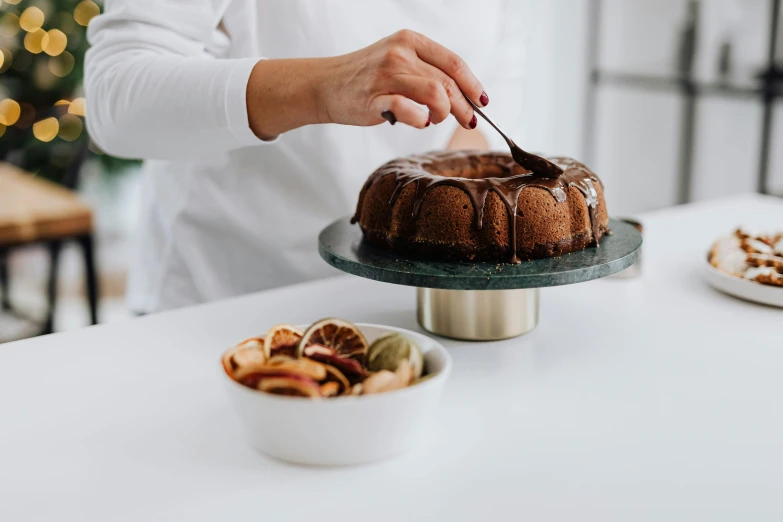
x: 282, y: 339
x: 312, y: 369
x: 341, y: 336
x: 350, y: 368
x: 290, y: 386
x: 253, y: 378
x: 248, y: 352
x: 330, y: 389
x: 335, y: 375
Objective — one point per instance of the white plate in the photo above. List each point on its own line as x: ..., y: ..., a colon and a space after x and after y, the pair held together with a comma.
x: 742, y: 288
x: 343, y: 430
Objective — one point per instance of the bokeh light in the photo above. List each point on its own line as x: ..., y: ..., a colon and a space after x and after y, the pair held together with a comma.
x: 9, y: 25
x: 12, y: 2
x: 35, y: 41
x: 5, y: 60
x: 70, y: 127
x: 77, y: 107
x: 2, y: 129
x: 86, y: 11
x: 26, y: 115
x: 9, y: 112
x: 58, y: 103
x: 46, y: 130
x: 62, y: 64
x: 57, y: 42
x: 32, y: 19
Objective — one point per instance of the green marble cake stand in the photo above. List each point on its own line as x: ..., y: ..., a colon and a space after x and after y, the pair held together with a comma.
x: 477, y: 301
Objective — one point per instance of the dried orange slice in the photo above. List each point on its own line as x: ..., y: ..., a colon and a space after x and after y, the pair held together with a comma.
x: 281, y: 340
x: 341, y: 336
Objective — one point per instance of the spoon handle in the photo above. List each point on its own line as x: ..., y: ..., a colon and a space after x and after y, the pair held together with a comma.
x: 509, y: 141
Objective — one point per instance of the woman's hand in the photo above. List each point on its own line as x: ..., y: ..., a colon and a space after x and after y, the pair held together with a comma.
x: 394, y: 75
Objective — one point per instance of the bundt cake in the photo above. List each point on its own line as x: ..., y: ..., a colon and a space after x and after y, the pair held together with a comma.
x: 471, y: 205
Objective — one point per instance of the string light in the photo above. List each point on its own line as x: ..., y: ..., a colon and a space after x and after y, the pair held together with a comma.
x: 57, y: 42
x: 77, y: 107
x: 46, y: 130
x: 9, y: 112
x: 61, y: 65
x: 35, y: 41
x: 32, y: 19
x: 86, y: 11
x: 70, y: 127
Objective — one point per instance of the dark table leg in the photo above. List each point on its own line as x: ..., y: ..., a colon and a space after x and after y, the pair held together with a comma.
x: 90, y: 275
x: 5, y: 290
x: 51, y: 290
x: 769, y: 91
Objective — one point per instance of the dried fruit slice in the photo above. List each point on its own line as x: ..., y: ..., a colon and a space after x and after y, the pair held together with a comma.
x: 386, y: 380
x: 351, y: 368
x: 282, y: 340
x: 312, y: 369
x: 389, y: 351
x: 290, y: 386
x: 254, y: 377
x: 330, y: 389
x: 341, y: 336
x: 335, y: 375
x: 248, y: 352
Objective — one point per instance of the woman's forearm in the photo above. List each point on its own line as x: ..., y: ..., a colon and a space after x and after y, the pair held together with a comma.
x: 398, y: 75
x: 283, y: 95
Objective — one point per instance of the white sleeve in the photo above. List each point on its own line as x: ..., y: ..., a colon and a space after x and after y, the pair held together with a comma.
x: 152, y: 89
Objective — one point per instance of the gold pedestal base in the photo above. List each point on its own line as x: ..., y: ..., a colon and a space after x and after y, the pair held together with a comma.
x: 478, y: 315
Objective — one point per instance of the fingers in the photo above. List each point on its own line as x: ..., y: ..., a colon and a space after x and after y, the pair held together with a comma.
x: 459, y: 106
x: 450, y: 63
x: 401, y: 108
x: 425, y: 91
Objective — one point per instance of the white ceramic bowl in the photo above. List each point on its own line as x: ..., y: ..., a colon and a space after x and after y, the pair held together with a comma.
x: 742, y: 288
x: 343, y: 430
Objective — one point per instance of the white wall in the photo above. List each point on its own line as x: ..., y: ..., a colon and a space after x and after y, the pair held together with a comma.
x: 637, y: 132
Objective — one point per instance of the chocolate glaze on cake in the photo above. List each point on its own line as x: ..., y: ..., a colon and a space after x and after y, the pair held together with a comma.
x: 405, y: 185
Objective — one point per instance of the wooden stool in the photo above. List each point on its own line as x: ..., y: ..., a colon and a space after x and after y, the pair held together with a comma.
x: 36, y: 211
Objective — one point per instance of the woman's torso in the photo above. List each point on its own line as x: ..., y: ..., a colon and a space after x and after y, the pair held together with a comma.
x: 248, y: 219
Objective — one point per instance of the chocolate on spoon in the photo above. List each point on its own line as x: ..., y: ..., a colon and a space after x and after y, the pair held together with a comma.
x: 536, y: 164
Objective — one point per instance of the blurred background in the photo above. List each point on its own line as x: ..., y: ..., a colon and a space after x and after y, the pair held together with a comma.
x: 669, y: 101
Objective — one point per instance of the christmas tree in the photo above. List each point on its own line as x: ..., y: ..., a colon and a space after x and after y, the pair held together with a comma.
x: 42, y: 46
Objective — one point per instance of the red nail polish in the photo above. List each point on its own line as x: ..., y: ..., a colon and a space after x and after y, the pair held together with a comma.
x: 473, y: 122
x: 428, y: 123
x: 484, y: 99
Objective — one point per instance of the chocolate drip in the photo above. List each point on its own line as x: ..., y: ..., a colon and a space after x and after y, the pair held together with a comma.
x: 513, y: 179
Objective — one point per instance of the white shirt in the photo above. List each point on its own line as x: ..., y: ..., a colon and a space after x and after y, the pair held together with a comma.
x: 223, y: 212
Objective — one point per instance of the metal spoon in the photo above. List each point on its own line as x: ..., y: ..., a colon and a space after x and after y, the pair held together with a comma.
x: 538, y: 165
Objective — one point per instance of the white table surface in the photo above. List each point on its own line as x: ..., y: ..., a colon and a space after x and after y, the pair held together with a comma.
x: 634, y: 400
